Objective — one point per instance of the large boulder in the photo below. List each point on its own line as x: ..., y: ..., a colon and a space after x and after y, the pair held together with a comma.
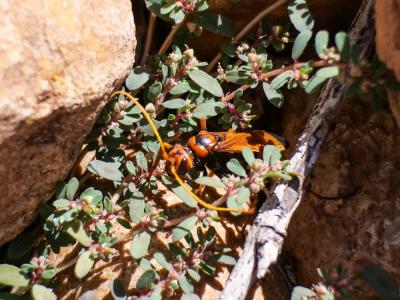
x: 59, y: 61
x: 387, y: 33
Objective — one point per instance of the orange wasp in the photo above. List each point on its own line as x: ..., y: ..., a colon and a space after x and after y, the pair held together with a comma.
x: 206, y: 143
x: 181, y: 159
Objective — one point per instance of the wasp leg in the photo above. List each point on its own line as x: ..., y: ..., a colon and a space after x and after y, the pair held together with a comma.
x: 168, y: 146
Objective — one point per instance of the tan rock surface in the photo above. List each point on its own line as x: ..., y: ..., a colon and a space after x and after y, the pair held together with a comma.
x: 387, y: 19
x: 359, y: 165
x: 58, y: 62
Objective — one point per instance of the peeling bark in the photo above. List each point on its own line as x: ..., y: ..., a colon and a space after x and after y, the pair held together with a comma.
x: 265, y: 239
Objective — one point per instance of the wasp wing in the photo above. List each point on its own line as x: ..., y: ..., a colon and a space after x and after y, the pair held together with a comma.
x: 235, y: 142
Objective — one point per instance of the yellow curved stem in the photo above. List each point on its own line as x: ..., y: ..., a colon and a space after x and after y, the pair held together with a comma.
x: 166, y: 157
x: 149, y: 120
x: 199, y: 200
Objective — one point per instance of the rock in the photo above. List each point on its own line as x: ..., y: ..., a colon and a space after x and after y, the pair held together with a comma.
x: 387, y: 14
x: 59, y: 61
x: 349, y: 216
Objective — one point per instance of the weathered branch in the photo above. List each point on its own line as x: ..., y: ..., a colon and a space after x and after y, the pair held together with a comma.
x: 265, y: 239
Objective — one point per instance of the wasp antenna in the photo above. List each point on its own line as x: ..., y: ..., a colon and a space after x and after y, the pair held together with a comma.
x: 201, y: 201
x: 149, y: 120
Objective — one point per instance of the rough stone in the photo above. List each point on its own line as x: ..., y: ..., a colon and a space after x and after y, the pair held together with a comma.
x: 387, y: 13
x: 349, y: 217
x: 59, y: 60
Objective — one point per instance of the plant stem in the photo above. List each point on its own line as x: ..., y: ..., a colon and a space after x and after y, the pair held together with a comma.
x: 176, y: 221
x: 118, y: 193
x: 273, y: 73
x: 245, y: 30
x: 149, y: 38
x: 170, y: 37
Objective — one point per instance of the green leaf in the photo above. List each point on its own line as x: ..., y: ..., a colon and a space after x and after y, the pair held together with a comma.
x: 171, y: 184
x: 202, y: 6
x: 300, y: 293
x: 140, y: 245
x: 145, y: 264
x: 248, y: 155
x: 194, y: 275
x: 108, y: 205
x: 48, y: 274
x: 157, y: 293
x: 321, y: 42
x: 146, y: 280
x: 84, y: 264
x: 160, y: 258
x: 381, y: 282
x: 207, y: 110
x: 40, y: 292
x: 232, y: 203
x: 141, y: 161
x: 300, y: 15
x: 190, y: 297
x: 300, y: 43
x: 184, y: 228
x: 185, y: 285
x: 12, y: 276
x: 125, y: 223
x: 215, y: 23
x: 76, y: 230
x: 117, y: 290
x: 88, y: 295
x: 181, y: 88
x: 271, y: 154
x: 274, y: 96
x: 72, y: 187
x: 154, y: 90
x: 342, y: 42
x: 226, y: 260
x: 243, y: 196
x: 205, y: 81
x: 107, y: 170
x: 228, y: 49
x: 174, y: 103
x: 167, y: 8
x: 235, y: 167
x: 211, y: 181
x: 314, y: 84
x: 328, y: 72
x: 137, y: 78
x: 60, y: 190
x: 92, y: 196
x: 136, y: 209
x: 281, y: 80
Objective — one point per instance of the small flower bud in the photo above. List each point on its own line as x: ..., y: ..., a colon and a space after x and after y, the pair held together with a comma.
x: 254, y: 188
x: 189, y: 53
x: 150, y: 108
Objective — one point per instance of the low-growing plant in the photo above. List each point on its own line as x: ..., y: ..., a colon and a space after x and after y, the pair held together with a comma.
x: 345, y: 286
x: 121, y: 185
